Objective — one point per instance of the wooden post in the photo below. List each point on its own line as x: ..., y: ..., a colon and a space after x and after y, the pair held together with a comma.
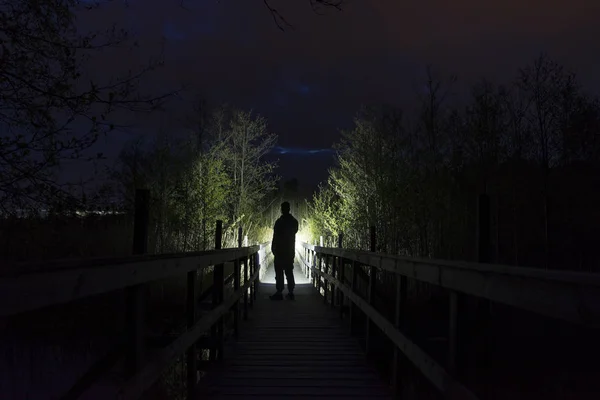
x: 452, y: 334
x: 192, y: 370
x: 325, y: 282
x: 353, y: 287
x: 217, y: 295
x: 484, y: 306
x: 135, y: 294
x: 255, y: 267
x: 333, y: 287
x: 313, y: 263
x: 468, y: 316
x: 401, y: 295
x: 251, y: 267
x: 370, y: 293
x: 236, y: 287
x: 307, y: 262
x: 318, y: 267
x: 342, y: 276
x: 249, y: 271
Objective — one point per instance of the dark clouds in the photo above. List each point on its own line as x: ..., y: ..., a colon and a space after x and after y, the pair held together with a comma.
x: 310, y: 81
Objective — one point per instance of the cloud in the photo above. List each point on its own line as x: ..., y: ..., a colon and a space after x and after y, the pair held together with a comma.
x: 301, y: 151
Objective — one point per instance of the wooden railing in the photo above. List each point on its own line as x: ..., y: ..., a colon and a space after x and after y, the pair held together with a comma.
x: 569, y: 296
x: 57, y: 283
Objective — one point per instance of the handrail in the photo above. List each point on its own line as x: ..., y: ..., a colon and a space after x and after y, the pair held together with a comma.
x: 145, y: 378
x: 78, y: 279
x: 71, y: 280
x: 570, y: 296
x: 434, y: 372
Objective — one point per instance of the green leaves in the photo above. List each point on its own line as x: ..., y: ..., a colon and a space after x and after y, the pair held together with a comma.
x: 215, y: 172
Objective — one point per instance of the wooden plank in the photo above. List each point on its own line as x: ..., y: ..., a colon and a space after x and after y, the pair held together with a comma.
x: 345, y: 392
x: 310, y: 397
x: 570, y: 296
x: 298, y: 357
x: 304, y: 362
x: 295, y: 382
x: 349, y: 375
x: 322, y: 369
x: 31, y: 291
x: 294, y: 347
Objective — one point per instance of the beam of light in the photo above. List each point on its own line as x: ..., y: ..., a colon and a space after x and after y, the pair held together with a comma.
x: 301, y: 152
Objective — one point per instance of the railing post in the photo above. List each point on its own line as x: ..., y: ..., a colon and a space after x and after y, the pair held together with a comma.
x: 452, y: 333
x: 309, y: 264
x: 236, y: 286
x: 307, y: 253
x: 370, y: 294
x: 192, y: 370
x: 135, y: 294
x: 313, y: 263
x: 464, y: 324
x: 350, y: 302
x: 401, y: 295
x: 216, y: 331
x: 250, y: 266
x: 255, y: 268
x: 342, y: 277
x: 318, y: 267
x: 333, y: 274
x: 325, y: 282
x: 484, y: 306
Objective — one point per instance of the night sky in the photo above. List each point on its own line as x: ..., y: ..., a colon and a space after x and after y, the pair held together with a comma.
x: 310, y: 81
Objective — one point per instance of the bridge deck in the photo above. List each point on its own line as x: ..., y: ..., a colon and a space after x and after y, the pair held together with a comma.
x: 298, y: 349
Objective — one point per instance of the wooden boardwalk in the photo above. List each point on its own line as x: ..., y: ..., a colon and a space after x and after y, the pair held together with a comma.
x: 293, y: 349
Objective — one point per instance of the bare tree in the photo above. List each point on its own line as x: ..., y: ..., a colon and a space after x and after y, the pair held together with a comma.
x: 545, y: 83
x: 47, y: 113
x: 318, y: 6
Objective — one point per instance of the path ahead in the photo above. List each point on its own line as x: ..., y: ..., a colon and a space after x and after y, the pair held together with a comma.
x: 293, y: 349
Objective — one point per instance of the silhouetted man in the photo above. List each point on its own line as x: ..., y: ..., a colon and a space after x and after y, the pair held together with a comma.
x: 283, y: 247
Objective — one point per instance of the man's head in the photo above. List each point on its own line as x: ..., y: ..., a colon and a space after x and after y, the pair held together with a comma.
x: 285, y: 208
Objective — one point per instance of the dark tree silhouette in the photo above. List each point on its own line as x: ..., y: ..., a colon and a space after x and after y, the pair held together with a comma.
x: 48, y: 114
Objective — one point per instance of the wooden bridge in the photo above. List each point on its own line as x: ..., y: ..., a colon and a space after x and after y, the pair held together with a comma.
x: 326, y: 343
x: 299, y: 349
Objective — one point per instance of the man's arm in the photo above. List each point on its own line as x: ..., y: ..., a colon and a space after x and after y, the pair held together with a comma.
x: 274, y: 241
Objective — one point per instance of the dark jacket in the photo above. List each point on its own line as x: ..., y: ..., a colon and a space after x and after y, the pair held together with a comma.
x: 284, y: 237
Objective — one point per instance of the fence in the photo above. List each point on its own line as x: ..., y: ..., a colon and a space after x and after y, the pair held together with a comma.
x: 568, y: 296
x: 31, y: 287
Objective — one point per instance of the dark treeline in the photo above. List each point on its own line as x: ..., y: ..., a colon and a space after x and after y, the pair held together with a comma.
x: 55, y: 110
x: 532, y: 145
x: 214, y: 170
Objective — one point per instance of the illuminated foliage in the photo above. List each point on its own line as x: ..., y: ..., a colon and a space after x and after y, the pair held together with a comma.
x: 528, y: 144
